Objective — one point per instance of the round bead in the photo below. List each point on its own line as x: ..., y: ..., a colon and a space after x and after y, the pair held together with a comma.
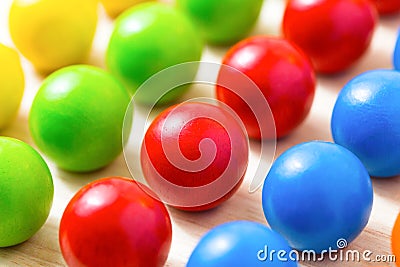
x: 147, y: 39
x: 77, y: 117
x: 318, y: 196
x: 26, y: 188
x: 241, y: 243
x: 366, y: 121
x: 333, y: 33
x: 194, y: 155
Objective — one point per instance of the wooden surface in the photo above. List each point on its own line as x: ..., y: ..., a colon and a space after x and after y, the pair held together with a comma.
x: 43, y: 250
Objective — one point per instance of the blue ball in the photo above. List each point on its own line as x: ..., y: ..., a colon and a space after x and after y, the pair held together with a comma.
x: 242, y: 243
x: 366, y: 120
x: 316, y: 195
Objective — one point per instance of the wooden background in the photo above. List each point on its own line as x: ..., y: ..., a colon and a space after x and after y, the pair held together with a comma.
x: 43, y: 250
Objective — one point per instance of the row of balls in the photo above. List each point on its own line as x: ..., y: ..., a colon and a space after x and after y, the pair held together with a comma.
x: 128, y: 55
x: 137, y: 52
x: 117, y: 220
x: 332, y: 43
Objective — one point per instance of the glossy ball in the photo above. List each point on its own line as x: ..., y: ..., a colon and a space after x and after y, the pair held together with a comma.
x: 395, y: 240
x: 317, y: 194
x: 224, y: 21
x: 77, y: 116
x: 283, y: 74
x: 53, y: 33
x: 387, y: 7
x: 12, y: 83
x: 194, y: 155
x: 26, y: 188
x: 333, y: 33
x: 115, y: 222
x: 241, y: 243
x: 146, y: 40
x: 365, y: 120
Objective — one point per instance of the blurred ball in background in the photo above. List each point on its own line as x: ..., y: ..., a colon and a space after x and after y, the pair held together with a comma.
x: 53, y: 33
x: 12, y: 83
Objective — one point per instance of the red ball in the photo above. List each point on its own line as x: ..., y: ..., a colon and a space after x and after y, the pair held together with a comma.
x: 115, y: 222
x: 195, y: 155
x: 333, y: 33
x: 387, y: 7
x: 283, y: 74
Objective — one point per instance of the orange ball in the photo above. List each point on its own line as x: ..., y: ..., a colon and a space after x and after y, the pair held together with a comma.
x: 396, y: 240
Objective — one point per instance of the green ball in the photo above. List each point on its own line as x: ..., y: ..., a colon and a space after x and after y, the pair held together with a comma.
x: 26, y: 192
x: 222, y: 22
x: 147, y: 39
x: 77, y: 118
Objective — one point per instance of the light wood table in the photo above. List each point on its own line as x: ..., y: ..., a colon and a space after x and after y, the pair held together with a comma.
x: 43, y: 250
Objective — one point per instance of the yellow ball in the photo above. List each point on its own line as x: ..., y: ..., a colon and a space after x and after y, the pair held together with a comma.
x: 53, y: 33
x: 116, y: 7
x: 12, y: 84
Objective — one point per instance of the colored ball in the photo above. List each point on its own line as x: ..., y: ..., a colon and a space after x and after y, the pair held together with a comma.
x: 115, y: 7
x: 387, y: 7
x: 77, y: 116
x: 194, y: 155
x: 318, y: 196
x: 241, y: 243
x: 395, y: 240
x: 282, y: 73
x: 333, y: 33
x: 12, y: 83
x: 26, y: 188
x: 146, y: 40
x: 222, y: 22
x: 365, y: 120
x: 53, y: 33
x: 115, y: 222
